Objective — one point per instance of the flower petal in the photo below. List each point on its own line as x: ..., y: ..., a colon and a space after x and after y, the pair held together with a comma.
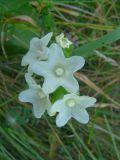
x: 64, y: 112
x: 40, y: 68
x: 31, y: 95
x: 39, y: 107
x: 71, y: 95
x: 50, y: 84
x: 63, y: 117
x: 35, y: 44
x: 26, y: 96
x: 80, y: 115
x: 57, y: 106
x: 56, y: 55
x: 86, y: 101
x: 30, y: 81
x: 45, y: 40
x: 75, y: 63
x: 70, y: 84
x: 27, y: 59
x: 40, y: 44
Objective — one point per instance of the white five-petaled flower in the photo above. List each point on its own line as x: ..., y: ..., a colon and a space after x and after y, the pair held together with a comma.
x: 38, y: 50
x: 62, y: 41
x: 58, y: 70
x: 36, y: 96
x: 72, y: 106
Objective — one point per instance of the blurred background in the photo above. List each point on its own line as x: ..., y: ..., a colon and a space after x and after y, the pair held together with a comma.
x: 22, y: 137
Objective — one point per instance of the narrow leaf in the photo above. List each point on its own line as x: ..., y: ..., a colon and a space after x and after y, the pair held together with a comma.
x: 88, y: 49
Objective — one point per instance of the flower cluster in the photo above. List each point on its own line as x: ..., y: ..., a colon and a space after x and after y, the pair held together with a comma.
x: 57, y: 71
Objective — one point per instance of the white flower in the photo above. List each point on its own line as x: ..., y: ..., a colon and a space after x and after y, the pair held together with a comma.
x: 58, y: 70
x: 36, y: 96
x: 38, y: 50
x: 72, y: 106
x: 62, y: 41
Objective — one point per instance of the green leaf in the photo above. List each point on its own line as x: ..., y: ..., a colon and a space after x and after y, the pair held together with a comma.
x: 58, y: 94
x: 88, y: 49
x: 68, y: 51
x: 47, y: 23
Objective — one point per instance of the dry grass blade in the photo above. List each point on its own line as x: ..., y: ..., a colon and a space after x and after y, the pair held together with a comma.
x: 18, y: 18
x: 2, y: 41
x: 58, y: 139
x: 24, y: 18
x: 4, y: 83
x: 86, y: 80
x: 107, y: 59
x: 68, y: 11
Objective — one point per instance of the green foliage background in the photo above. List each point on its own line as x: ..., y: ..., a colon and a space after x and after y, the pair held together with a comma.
x: 93, y: 26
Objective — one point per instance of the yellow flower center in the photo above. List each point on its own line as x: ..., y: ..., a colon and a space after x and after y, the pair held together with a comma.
x: 59, y: 71
x: 41, y: 95
x: 71, y: 102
